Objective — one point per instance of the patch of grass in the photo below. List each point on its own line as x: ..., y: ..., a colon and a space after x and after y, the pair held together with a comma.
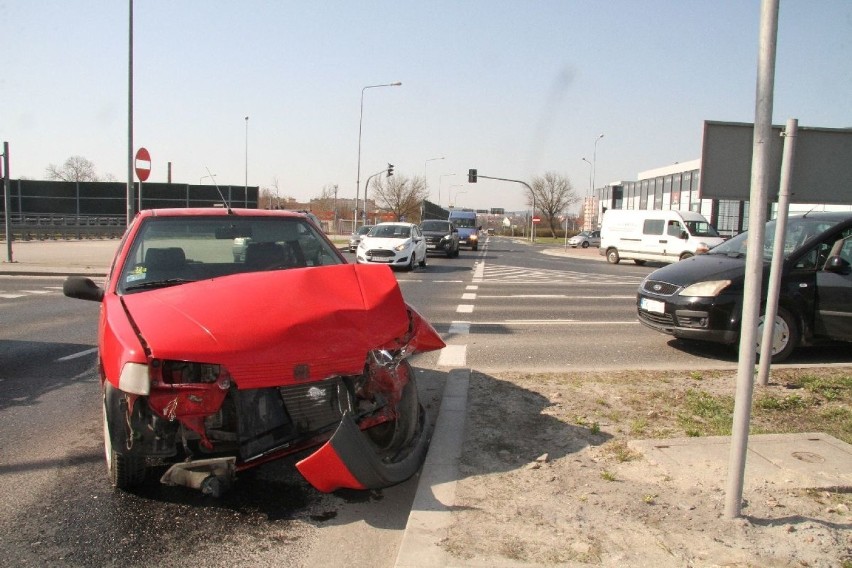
x: 595, y: 428
x: 638, y: 426
x: 703, y: 414
x: 619, y: 450
x: 608, y: 476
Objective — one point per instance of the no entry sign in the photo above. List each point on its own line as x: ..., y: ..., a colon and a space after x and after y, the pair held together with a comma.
x: 143, y: 164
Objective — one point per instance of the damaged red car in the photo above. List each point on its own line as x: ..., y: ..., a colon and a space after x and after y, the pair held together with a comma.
x: 231, y: 337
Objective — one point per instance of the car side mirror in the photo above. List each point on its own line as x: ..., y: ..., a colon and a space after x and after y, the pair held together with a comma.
x: 684, y: 235
x: 82, y: 288
x: 838, y: 265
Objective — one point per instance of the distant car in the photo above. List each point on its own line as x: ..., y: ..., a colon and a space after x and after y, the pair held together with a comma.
x: 702, y: 297
x: 441, y: 236
x: 399, y: 245
x: 355, y: 237
x: 212, y: 365
x: 585, y: 239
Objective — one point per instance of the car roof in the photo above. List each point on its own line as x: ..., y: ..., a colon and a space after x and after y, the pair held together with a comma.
x: 217, y: 212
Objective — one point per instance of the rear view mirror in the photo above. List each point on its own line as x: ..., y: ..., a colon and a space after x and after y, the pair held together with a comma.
x: 82, y: 288
x: 837, y: 265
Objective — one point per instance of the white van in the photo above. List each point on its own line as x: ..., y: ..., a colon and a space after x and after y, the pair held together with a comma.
x: 655, y: 235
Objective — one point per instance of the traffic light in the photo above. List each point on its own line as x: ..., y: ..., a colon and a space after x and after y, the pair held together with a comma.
x: 390, y: 170
x: 471, y: 176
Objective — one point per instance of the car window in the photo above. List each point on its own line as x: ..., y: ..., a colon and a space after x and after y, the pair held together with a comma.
x: 674, y: 229
x: 178, y: 249
x: 653, y: 227
x: 815, y: 257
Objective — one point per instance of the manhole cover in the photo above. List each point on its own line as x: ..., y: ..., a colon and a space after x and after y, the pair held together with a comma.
x: 809, y: 457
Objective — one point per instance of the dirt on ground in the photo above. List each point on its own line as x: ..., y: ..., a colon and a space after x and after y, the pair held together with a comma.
x: 548, y: 475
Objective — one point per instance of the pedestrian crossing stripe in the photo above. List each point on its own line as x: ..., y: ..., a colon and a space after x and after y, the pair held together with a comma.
x: 516, y: 275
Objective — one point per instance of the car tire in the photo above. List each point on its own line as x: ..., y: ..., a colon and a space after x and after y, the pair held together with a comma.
x: 639, y: 262
x: 785, y: 337
x: 585, y: 244
x: 475, y: 247
x: 410, y: 266
x: 686, y: 255
x: 390, y: 439
x: 422, y: 263
x: 125, y: 471
x: 612, y: 256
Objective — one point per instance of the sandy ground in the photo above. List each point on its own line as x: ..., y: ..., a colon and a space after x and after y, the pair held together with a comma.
x: 548, y: 477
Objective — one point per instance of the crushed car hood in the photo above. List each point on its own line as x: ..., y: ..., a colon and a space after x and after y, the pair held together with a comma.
x: 277, y: 327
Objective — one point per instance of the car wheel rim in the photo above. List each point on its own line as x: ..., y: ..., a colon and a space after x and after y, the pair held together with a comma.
x: 780, y: 335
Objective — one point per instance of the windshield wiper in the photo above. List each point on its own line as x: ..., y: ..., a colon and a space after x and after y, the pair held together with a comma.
x: 157, y: 284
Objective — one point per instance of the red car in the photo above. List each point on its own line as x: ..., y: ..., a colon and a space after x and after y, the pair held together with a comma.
x: 220, y: 360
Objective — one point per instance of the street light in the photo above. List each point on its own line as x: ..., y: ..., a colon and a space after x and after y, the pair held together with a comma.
x: 360, y: 123
x: 459, y: 192
x: 425, y: 174
x: 595, y: 160
x: 246, y: 188
x: 441, y: 179
x: 590, y: 175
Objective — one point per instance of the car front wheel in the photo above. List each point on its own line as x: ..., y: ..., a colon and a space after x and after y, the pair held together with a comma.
x: 585, y: 244
x: 612, y: 256
x: 125, y: 470
x: 785, y: 335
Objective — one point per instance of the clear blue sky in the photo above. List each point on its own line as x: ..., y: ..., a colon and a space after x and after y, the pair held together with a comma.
x: 514, y: 89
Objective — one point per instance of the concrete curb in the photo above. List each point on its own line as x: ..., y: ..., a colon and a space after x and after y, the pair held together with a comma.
x: 431, y: 512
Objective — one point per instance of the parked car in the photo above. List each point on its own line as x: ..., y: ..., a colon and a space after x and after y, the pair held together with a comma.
x: 702, y: 297
x: 585, y: 239
x: 441, y: 236
x: 398, y: 245
x: 217, y: 364
x: 355, y: 237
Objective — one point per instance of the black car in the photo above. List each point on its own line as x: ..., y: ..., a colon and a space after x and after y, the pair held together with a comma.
x: 441, y: 236
x: 701, y: 297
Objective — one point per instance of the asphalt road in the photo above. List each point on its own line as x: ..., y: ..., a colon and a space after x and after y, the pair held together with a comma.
x: 506, y: 307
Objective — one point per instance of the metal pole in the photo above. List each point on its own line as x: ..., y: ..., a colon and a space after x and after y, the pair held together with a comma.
x: 777, y: 265
x: 754, y: 260
x: 245, y: 195
x: 595, y: 161
x: 130, y: 188
x: 7, y: 201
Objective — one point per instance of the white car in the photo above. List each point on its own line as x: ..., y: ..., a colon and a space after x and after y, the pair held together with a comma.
x: 394, y: 244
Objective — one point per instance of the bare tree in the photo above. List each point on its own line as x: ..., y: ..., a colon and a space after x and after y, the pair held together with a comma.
x: 553, y: 195
x: 400, y: 195
x: 75, y: 168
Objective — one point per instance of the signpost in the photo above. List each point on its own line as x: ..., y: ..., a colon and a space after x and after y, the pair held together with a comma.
x: 142, y: 164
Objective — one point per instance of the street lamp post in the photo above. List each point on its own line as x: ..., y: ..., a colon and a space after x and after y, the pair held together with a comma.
x: 590, y: 176
x: 441, y: 179
x: 459, y: 192
x: 360, y: 123
x: 595, y: 161
x: 425, y: 173
x: 246, y: 186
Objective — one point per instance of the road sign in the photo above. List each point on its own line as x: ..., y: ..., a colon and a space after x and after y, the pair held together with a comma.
x: 143, y: 164
x: 536, y: 219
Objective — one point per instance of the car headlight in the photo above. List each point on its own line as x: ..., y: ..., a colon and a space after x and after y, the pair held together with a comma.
x: 446, y: 237
x: 473, y: 237
x: 401, y: 247
x: 708, y: 289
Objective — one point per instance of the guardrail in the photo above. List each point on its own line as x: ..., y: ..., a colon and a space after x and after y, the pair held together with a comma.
x: 38, y: 226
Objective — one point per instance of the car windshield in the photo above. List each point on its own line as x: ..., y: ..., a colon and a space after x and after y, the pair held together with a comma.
x: 364, y: 230
x: 701, y: 229
x: 435, y: 226
x: 464, y: 222
x: 584, y: 234
x: 168, y: 251
x: 391, y: 231
x: 799, y: 230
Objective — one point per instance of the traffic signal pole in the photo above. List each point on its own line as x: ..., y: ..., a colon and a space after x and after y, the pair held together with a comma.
x: 473, y: 175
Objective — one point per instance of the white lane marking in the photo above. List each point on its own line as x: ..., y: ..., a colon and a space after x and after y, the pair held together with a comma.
x: 12, y: 296
x: 464, y: 309
x: 479, y: 271
x: 556, y: 322
x: 633, y: 297
x: 36, y: 291
x: 77, y: 355
x: 453, y: 356
x: 468, y: 296
x: 471, y: 287
x: 460, y: 327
